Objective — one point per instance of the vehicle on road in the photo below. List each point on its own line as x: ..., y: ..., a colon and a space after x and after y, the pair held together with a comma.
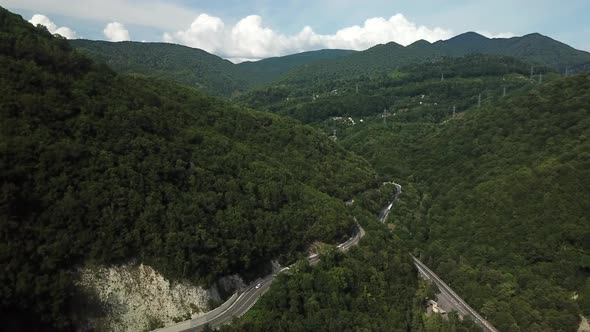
x: 258, y: 285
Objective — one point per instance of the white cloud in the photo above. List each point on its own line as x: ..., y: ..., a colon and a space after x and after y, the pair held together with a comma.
x: 250, y: 39
x: 206, y: 32
x: 496, y: 35
x: 116, y: 32
x: 52, y: 27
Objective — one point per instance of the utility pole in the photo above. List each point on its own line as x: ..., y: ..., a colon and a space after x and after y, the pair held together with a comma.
x: 357, y: 88
x: 479, y: 101
x: 504, y: 92
x: 454, y: 108
x: 540, y: 78
x: 334, y: 134
x: 532, y: 72
x: 385, y: 116
x: 442, y: 76
x: 566, y: 71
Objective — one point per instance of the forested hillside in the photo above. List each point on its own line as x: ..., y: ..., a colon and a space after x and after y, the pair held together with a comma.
x: 416, y: 92
x: 371, y: 288
x: 189, y: 66
x: 496, y: 201
x: 537, y: 49
x: 104, y: 168
x: 194, y: 67
x: 264, y: 71
x: 317, y: 69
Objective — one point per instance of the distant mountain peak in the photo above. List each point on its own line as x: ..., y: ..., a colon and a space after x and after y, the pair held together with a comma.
x: 469, y: 36
x: 420, y: 42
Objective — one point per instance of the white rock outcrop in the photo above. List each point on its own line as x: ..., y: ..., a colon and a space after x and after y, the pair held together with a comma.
x: 138, y: 298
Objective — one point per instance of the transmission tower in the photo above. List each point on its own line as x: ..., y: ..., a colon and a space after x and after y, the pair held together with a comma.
x: 479, y: 101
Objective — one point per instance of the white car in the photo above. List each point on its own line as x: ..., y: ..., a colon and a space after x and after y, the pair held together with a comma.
x: 258, y: 285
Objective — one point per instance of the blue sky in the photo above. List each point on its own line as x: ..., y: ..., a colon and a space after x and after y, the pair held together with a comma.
x: 253, y: 29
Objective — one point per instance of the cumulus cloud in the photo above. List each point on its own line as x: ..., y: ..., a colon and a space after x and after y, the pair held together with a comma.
x: 52, y: 27
x: 496, y: 35
x: 251, y: 39
x: 116, y: 32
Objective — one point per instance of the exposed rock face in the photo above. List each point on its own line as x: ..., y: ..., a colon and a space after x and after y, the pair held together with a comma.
x: 138, y: 298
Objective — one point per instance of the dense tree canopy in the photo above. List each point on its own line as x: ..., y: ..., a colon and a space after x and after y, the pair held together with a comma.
x: 496, y: 201
x: 425, y: 92
x: 106, y: 168
x: 103, y: 168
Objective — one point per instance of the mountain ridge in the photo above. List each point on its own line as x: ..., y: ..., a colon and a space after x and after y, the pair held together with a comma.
x: 535, y: 48
x: 212, y: 74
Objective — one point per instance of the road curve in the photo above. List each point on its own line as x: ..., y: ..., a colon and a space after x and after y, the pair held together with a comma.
x: 238, y: 305
x: 385, y: 212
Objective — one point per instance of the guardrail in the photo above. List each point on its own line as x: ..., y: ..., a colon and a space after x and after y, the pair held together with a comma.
x: 200, y: 319
x: 215, y: 312
x: 210, y: 315
x: 441, y: 284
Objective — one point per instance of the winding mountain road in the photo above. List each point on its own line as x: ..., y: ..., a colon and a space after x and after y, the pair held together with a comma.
x: 385, y: 212
x: 245, y: 299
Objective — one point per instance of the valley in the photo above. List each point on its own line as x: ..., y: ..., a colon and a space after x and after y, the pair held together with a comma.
x: 150, y: 186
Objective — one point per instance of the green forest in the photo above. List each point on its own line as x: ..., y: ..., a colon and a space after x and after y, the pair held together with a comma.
x: 103, y: 168
x: 173, y: 157
x: 514, y: 173
x: 509, y: 168
x: 373, y: 287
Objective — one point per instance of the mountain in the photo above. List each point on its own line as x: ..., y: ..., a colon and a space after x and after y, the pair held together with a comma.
x: 211, y: 74
x: 495, y: 200
x: 494, y: 169
x: 194, y: 67
x: 189, y: 66
x: 424, y: 91
x: 102, y: 168
x: 266, y: 70
x: 534, y: 48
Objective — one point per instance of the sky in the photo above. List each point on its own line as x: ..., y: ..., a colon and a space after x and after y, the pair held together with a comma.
x: 241, y: 30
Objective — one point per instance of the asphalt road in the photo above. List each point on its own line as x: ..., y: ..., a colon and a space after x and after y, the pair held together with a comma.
x: 248, y: 297
x: 245, y: 301
x: 447, y: 296
x: 457, y: 302
x: 385, y: 212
